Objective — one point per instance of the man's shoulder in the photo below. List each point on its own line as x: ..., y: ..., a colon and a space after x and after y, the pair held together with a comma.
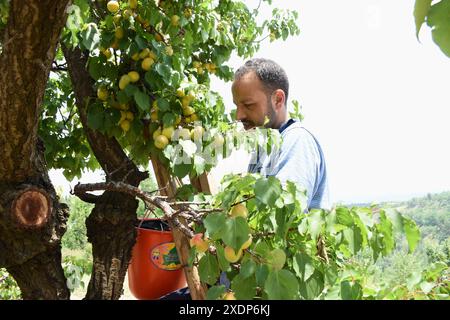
x: 296, y: 131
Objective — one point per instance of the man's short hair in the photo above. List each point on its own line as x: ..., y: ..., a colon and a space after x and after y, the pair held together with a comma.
x: 269, y: 72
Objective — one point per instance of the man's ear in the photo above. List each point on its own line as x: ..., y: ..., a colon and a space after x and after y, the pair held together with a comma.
x: 278, y: 99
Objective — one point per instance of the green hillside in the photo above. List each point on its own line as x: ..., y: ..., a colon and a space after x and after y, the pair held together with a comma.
x: 398, y: 271
x: 431, y: 213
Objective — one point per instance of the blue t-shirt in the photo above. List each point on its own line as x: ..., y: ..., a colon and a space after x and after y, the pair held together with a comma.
x: 299, y: 159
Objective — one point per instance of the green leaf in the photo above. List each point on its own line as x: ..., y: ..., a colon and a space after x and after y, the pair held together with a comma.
x: 122, y: 97
x: 168, y: 119
x: 426, y: 287
x: 248, y: 268
x: 268, y: 190
x: 204, y: 33
x: 224, y: 265
x: 421, y: 8
x: 90, y: 36
x: 155, y: 16
x: 189, y: 147
x: 333, y: 293
x: 163, y: 104
x: 235, y: 232
x: 396, y: 219
x: 245, y: 183
x: 313, y: 287
x: 434, y: 271
x: 262, y: 249
x: 140, y: 42
x: 214, y: 224
x: 182, y: 169
x: 344, y: 217
x: 276, y: 259
x: 215, y: 292
x: 365, y: 215
x: 440, y: 23
x: 351, y: 291
x: 208, y: 269
x: 361, y: 226
x: 244, y: 288
x: 303, y: 266
x: 95, y: 68
x: 164, y: 71
x: 412, y: 233
x: 315, y: 222
x: 303, y: 227
x: 281, y: 285
x: 175, y: 78
x: 184, y: 192
x: 413, y: 279
x: 354, y: 239
x: 331, y: 275
x: 386, y: 229
x: 130, y: 90
x: 199, y: 164
x: 192, y: 256
x: 142, y: 100
x: 261, y: 273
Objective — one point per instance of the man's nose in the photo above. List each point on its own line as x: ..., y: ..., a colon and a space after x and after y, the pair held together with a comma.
x: 240, y: 115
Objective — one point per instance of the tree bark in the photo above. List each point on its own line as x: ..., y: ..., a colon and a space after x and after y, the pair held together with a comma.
x: 32, y: 221
x: 111, y: 225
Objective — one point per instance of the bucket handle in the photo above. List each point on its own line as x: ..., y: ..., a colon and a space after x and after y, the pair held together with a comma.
x: 147, y: 213
x: 165, y: 223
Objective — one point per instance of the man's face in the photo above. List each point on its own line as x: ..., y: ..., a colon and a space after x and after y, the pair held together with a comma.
x: 252, y: 102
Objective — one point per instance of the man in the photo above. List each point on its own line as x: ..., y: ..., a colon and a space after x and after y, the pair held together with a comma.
x: 260, y: 91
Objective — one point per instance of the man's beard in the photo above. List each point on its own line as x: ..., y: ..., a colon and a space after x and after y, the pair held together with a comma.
x: 270, y: 114
x: 272, y: 119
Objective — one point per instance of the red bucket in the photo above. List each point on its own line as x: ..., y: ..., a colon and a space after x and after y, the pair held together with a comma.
x: 155, y: 268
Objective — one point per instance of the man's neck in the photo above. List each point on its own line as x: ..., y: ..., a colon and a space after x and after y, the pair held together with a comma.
x: 282, y: 120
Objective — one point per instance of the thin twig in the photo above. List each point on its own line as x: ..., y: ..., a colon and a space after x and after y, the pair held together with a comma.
x: 158, y: 190
x: 126, y: 176
x: 209, y: 210
x: 246, y: 199
x: 256, y: 256
x: 57, y: 69
x: 264, y: 234
x: 261, y: 40
x: 180, y: 203
x: 122, y: 165
x: 257, y: 9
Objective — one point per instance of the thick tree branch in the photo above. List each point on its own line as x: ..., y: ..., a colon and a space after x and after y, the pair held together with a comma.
x: 81, y: 190
x: 29, y: 46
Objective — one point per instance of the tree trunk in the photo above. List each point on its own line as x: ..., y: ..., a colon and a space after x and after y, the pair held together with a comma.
x: 111, y: 225
x: 32, y: 221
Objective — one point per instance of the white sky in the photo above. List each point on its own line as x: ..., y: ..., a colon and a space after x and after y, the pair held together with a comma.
x: 376, y: 98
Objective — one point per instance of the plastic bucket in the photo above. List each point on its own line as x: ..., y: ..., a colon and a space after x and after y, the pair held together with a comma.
x: 155, y: 268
